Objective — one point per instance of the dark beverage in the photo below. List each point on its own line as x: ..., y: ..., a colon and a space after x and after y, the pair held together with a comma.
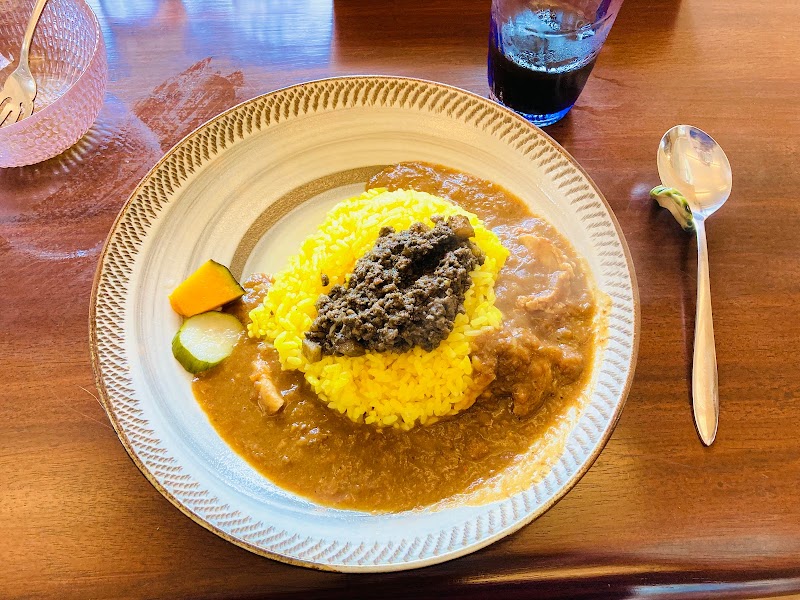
x: 534, y: 92
x: 535, y: 69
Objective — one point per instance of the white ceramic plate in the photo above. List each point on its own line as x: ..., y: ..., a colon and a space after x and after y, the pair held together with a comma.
x: 276, y: 163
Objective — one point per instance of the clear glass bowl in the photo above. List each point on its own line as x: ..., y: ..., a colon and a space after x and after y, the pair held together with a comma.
x: 68, y: 61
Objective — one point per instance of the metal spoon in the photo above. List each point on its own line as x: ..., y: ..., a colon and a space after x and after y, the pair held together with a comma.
x: 692, y: 162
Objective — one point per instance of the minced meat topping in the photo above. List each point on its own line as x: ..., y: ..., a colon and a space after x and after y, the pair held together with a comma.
x: 405, y: 292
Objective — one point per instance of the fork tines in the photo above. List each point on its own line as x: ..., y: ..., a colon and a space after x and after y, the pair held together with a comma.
x: 10, y: 112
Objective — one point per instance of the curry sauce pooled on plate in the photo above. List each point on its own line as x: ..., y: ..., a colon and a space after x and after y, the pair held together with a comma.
x: 426, y: 337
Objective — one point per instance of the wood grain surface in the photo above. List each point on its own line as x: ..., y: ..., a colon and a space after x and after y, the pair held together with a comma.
x: 658, y: 516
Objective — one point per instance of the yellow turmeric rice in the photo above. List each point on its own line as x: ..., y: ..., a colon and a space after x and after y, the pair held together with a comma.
x: 386, y: 389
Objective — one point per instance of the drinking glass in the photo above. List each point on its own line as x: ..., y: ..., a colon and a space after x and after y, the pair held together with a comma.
x: 541, y: 53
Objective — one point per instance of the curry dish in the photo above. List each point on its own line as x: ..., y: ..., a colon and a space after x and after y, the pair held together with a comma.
x: 528, y: 374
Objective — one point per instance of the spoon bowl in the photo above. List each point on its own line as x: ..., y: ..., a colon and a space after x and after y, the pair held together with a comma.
x: 691, y: 161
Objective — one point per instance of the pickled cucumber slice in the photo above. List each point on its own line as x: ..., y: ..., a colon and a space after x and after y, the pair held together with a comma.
x: 674, y: 202
x: 205, y: 340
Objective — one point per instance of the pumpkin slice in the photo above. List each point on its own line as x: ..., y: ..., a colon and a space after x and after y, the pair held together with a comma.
x: 209, y: 287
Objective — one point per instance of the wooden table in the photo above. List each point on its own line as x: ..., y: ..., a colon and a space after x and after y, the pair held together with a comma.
x: 658, y: 516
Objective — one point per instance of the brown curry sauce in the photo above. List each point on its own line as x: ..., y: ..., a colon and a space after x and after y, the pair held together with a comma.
x: 535, y: 369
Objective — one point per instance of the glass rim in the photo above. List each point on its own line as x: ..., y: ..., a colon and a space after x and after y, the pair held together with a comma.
x: 611, y: 15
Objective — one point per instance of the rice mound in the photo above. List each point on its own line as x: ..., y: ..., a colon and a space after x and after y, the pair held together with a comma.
x: 385, y: 389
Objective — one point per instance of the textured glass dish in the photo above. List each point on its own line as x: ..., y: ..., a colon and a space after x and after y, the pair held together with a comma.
x: 68, y: 61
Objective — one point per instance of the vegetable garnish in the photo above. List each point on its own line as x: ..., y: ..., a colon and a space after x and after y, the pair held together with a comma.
x: 209, y: 287
x: 205, y: 340
x: 674, y: 202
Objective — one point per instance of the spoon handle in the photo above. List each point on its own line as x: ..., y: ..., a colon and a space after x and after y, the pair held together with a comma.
x: 705, y: 389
